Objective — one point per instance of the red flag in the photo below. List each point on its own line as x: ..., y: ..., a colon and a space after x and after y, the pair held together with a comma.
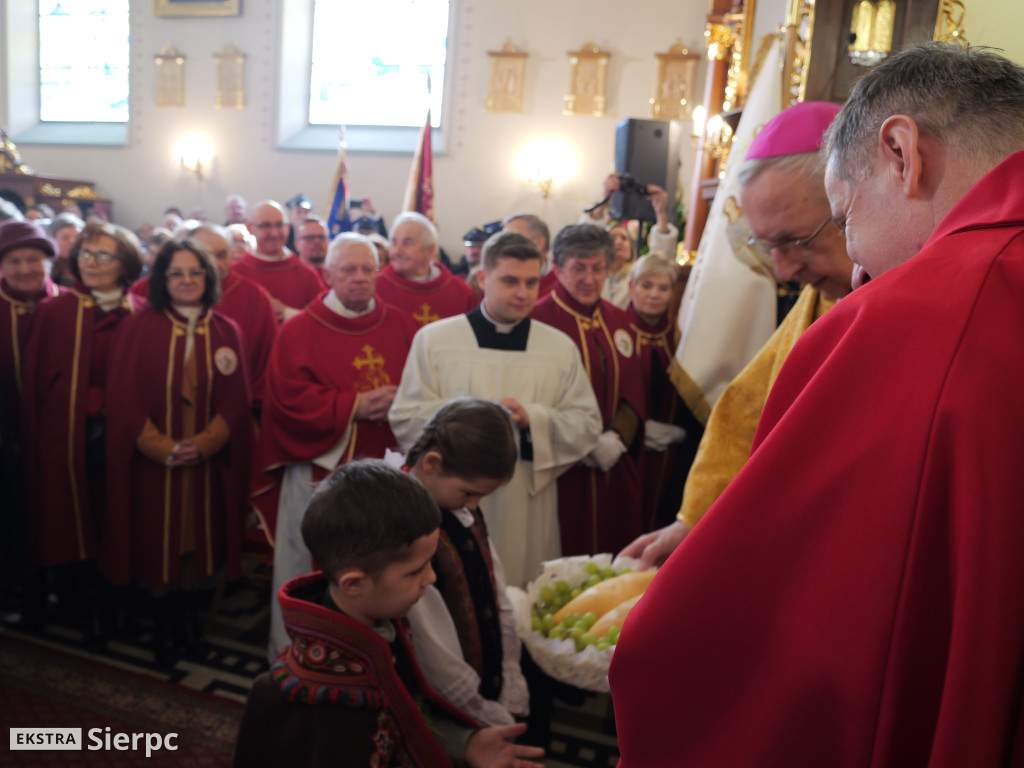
x: 419, y: 191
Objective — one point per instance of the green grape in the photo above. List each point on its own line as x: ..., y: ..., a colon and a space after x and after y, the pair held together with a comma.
x: 548, y: 621
x: 613, y: 633
x: 627, y: 569
x: 562, y: 587
x: 591, y: 567
x: 547, y: 594
x: 569, y: 619
x: 607, y: 572
x: 576, y: 592
x: 589, y: 638
x: 603, y: 644
x: 588, y: 619
x: 580, y: 645
x: 536, y: 624
x: 594, y: 580
x: 577, y: 631
x: 556, y: 631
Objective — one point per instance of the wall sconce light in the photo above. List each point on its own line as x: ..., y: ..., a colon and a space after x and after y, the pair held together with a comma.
x: 871, y: 28
x: 194, y: 152
x: 545, y: 162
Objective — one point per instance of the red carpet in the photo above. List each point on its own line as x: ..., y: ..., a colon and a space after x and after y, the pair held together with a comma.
x: 46, y: 688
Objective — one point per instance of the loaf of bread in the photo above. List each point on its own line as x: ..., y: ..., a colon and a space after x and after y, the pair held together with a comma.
x: 604, y: 596
x: 614, y: 617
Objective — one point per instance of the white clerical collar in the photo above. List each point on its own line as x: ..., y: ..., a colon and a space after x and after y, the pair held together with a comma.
x: 108, y: 300
x: 284, y: 254
x: 433, y: 274
x: 333, y: 303
x: 499, y: 327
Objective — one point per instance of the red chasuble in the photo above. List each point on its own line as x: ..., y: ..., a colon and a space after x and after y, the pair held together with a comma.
x: 320, y: 364
x: 64, y: 379
x: 656, y: 345
x: 290, y: 280
x: 149, y: 502
x: 444, y: 296
x: 600, y: 511
x: 856, y: 595
x: 16, y: 313
x: 249, y: 306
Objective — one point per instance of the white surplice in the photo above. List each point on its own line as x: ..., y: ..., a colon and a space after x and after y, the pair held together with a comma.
x: 548, y: 379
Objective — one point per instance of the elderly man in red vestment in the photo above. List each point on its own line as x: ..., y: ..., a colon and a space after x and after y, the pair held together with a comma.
x: 333, y: 374
x: 599, y: 499
x: 415, y: 281
x: 856, y: 596
x: 291, y: 283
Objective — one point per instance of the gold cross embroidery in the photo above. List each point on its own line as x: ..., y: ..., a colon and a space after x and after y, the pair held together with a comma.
x: 425, y: 315
x: 370, y: 370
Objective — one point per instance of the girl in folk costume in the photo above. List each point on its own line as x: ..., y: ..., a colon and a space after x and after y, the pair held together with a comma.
x: 463, y: 629
x: 64, y: 412
x: 651, y: 282
x: 179, y: 444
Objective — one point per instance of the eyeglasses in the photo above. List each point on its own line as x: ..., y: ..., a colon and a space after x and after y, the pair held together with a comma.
x: 318, y: 238
x: 193, y: 274
x: 265, y: 225
x: 800, y: 242
x: 102, y: 257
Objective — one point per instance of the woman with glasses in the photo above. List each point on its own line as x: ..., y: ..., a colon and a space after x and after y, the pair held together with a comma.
x: 180, y: 443
x: 65, y: 412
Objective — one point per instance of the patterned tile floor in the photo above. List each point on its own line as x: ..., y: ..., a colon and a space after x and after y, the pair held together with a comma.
x: 581, y: 730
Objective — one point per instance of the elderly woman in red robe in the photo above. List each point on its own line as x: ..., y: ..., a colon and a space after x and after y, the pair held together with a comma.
x: 24, y: 285
x: 64, y: 412
x: 651, y: 281
x: 179, y: 445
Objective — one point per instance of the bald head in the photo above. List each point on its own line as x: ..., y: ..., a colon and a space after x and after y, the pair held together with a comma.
x: 267, y: 224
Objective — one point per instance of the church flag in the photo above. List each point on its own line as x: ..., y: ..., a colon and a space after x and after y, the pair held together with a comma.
x: 337, y: 209
x: 729, y: 305
x: 419, y: 191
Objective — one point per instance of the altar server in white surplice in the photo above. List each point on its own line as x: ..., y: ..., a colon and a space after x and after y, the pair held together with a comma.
x: 498, y: 353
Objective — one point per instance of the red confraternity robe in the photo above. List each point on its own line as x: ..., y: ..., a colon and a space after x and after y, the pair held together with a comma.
x: 248, y: 304
x: 856, y: 595
x: 656, y: 345
x: 444, y: 296
x: 601, y: 511
x: 156, y: 513
x: 16, y: 313
x: 320, y: 364
x: 290, y: 280
x: 65, y: 377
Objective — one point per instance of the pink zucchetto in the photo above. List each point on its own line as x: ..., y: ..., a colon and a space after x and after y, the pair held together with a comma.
x: 795, y: 130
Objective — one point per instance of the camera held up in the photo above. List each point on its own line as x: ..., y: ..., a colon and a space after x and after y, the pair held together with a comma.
x: 632, y: 201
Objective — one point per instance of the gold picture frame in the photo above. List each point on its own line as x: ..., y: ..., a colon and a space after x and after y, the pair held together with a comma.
x: 508, y: 72
x: 677, y: 83
x: 588, y: 82
x: 197, y: 7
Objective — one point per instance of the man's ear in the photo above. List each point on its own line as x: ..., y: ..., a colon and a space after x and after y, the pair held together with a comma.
x: 900, y: 146
x: 351, y: 582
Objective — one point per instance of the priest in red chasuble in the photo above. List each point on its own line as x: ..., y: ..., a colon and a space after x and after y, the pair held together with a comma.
x: 333, y: 375
x: 599, y: 499
x: 291, y: 283
x: 415, y: 281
